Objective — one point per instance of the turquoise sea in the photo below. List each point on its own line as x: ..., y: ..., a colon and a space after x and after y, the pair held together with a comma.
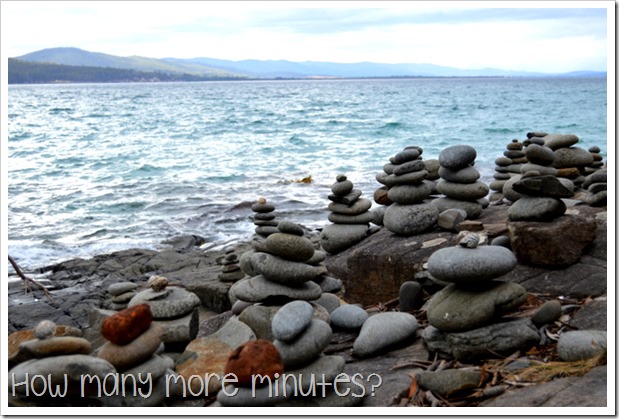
x: 94, y: 168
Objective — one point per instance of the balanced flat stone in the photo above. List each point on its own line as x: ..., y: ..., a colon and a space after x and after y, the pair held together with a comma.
x: 383, y: 330
x: 258, y: 288
x: 306, y: 347
x: 530, y: 208
x: 290, y: 247
x: 457, y: 156
x: 283, y: 271
x: 410, y: 194
x: 291, y: 320
x: 176, y: 302
x: 463, y: 191
x: 408, y: 220
x: 468, y: 174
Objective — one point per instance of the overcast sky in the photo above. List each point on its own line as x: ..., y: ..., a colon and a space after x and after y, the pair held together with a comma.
x: 535, y: 36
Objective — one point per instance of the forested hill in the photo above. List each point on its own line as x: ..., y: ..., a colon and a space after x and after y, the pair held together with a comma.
x: 23, y: 72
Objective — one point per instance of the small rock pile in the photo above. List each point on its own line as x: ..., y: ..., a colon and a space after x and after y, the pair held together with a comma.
x: 60, y: 362
x: 598, y: 160
x: 540, y: 194
x: 264, y: 219
x: 405, y: 177
x: 570, y: 161
x: 506, y: 167
x: 230, y: 268
x: 466, y: 317
x: 132, y: 340
x: 350, y: 216
x: 596, y: 186
x: 173, y: 308
x: 121, y: 293
x: 460, y: 181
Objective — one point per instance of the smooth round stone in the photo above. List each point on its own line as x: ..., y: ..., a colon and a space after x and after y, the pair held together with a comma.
x: 446, y: 382
x: 508, y: 189
x: 126, y: 325
x: 462, y: 265
x: 257, y: 357
x: 290, y: 247
x: 463, y: 191
x: 61, y: 345
x: 239, y: 306
x: 572, y: 157
x: 358, y: 207
x: 546, y: 185
x: 594, y: 149
x: 408, y: 220
x: 457, y: 156
x: 365, y: 218
x: 266, y: 231
x: 266, y: 223
x: 411, y: 296
x: 349, y: 316
x: 262, y: 207
x: 328, y: 365
x: 264, y: 216
x: 529, y: 208
x: 503, y: 161
x: 405, y: 179
x: 515, y: 145
x: 548, y: 313
x: 502, y: 241
x: 123, y: 298
x: 542, y: 170
x: 455, y: 309
x: 121, y: 288
x: 388, y: 168
x: 382, y: 330
x: 335, y: 238
x: 177, y: 302
x: 473, y: 209
x: 284, y: 271
x: 576, y: 345
x: 232, y: 396
x: 347, y: 199
x: 135, y: 352
x: 306, y: 347
x: 155, y: 365
x: 291, y: 320
x: 258, y: 288
x: 467, y: 174
x: 342, y: 187
x: 536, y: 140
x: 317, y: 258
x: 557, y: 141
x: 514, y: 154
x: 45, y: 329
x: 408, y: 167
x: 449, y: 219
x: 58, y: 368
x: 541, y: 155
x: 329, y: 301
x: 404, y: 156
x: 329, y: 284
x: 432, y: 166
x: 497, y: 185
x: 409, y: 194
x: 501, y: 176
x: 597, y: 187
x: 289, y: 227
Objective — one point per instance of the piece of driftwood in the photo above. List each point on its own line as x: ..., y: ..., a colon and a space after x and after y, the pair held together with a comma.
x: 28, y: 280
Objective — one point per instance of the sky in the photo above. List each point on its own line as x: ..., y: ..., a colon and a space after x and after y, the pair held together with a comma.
x: 554, y: 36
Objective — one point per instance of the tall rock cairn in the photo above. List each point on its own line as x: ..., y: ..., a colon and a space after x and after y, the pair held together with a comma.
x: 460, y: 181
x: 406, y: 178
x: 350, y: 216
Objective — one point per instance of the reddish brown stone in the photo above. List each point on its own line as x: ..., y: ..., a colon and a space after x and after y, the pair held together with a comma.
x: 126, y: 325
x: 380, y: 196
x: 252, y: 358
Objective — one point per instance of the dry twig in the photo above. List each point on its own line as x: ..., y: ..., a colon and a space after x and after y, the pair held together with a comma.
x: 27, y: 280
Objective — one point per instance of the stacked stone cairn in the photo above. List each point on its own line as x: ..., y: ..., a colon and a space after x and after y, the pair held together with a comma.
x: 460, y: 182
x: 264, y: 219
x: 405, y: 176
x: 570, y: 161
x: 173, y: 308
x: 507, y: 166
x: 230, y: 268
x: 121, y: 293
x: 466, y: 317
x: 55, y: 359
x: 350, y: 217
x: 596, y: 186
x: 133, y: 339
x: 598, y: 160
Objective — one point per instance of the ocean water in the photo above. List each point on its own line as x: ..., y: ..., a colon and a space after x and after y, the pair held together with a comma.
x: 95, y: 168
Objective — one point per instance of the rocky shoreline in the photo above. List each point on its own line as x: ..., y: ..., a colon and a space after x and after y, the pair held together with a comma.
x: 450, y: 301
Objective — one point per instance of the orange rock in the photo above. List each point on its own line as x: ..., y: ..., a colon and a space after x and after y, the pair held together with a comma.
x: 252, y: 358
x: 126, y: 325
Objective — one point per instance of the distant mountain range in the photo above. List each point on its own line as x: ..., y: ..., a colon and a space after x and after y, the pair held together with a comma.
x: 210, y: 68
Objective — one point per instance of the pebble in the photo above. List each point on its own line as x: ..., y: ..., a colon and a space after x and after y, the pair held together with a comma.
x: 468, y: 174
x: 572, y: 157
x: 177, y: 302
x: 529, y: 208
x: 541, y: 155
x: 446, y: 382
x: 283, y: 271
x: 576, y: 345
x: 45, y: 329
x: 404, y: 156
x: 411, y: 296
x: 503, y: 241
x: 360, y: 206
x: 463, y: 191
x: 336, y: 238
x: 306, y: 347
x: 291, y: 320
x: 473, y: 209
x: 62, y: 345
x: 329, y: 284
x: 408, y: 167
x: 383, y: 330
x: 409, y: 194
x: 342, y: 187
x: 239, y: 306
x: 556, y: 141
x: 549, y: 312
x: 408, y: 220
x: 290, y: 247
x: 454, y: 309
x: 457, y: 156
x: 349, y: 316
x: 135, y: 352
x: 329, y: 301
x: 471, y: 266
x: 121, y: 288
x: 543, y: 185
x: 258, y: 357
x: 258, y: 289
x: 126, y: 325
x: 348, y: 199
